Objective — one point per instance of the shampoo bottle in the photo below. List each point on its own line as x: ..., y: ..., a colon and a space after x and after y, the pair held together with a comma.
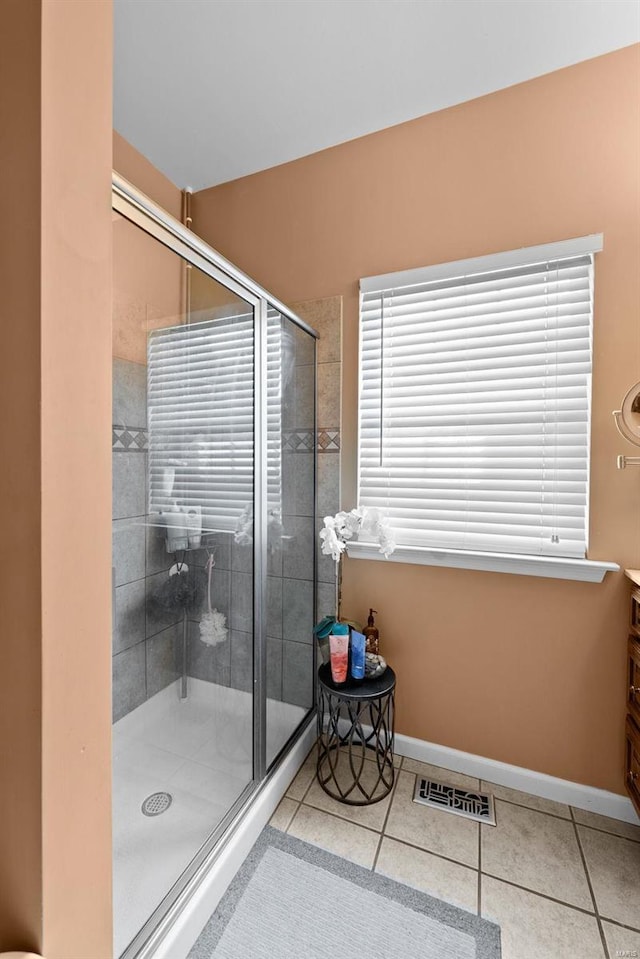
x: 358, y: 642
x: 339, y: 651
x: 371, y: 633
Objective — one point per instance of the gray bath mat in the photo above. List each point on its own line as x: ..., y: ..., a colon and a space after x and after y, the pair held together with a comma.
x: 291, y: 900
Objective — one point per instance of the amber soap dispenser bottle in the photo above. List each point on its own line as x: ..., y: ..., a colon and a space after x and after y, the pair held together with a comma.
x: 371, y: 633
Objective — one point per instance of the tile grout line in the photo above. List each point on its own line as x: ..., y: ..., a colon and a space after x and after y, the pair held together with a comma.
x: 620, y: 925
x: 307, y: 791
x: 295, y: 812
x: 313, y: 777
x: 396, y: 777
x: 337, y: 815
x: 569, y: 818
x: 299, y: 801
x: 479, y: 869
x: 541, y: 895
x: 430, y: 852
x: 403, y: 842
x: 520, y: 805
x: 607, y: 832
x: 543, y: 812
x: 591, y: 892
x: 296, y: 799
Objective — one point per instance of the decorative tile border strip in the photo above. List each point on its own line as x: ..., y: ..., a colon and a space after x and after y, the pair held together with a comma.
x: 328, y: 441
x: 129, y: 439
x: 301, y: 441
x: 297, y: 441
x: 132, y: 440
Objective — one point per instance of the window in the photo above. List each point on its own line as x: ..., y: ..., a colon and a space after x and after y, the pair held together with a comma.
x: 474, y: 420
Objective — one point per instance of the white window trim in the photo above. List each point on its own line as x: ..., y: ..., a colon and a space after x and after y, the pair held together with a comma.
x: 525, y: 256
x: 584, y: 570
x: 554, y: 567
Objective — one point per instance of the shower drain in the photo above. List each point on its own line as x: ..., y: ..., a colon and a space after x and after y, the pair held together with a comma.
x: 156, y: 803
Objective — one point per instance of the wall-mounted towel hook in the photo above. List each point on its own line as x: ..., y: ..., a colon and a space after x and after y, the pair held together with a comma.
x: 624, y: 461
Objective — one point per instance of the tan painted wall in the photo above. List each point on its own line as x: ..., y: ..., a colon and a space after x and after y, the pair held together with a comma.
x: 55, y: 365
x: 135, y: 167
x: 148, y: 279
x: 524, y: 670
x: 148, y: 283
x: 20, y: 676
x: 76, y: 477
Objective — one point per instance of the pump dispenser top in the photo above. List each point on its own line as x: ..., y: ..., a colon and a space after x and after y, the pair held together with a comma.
x: 372, y: 635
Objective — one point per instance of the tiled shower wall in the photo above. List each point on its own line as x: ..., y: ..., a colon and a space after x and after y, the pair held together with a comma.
x: 145, y: 641
x: 147, y: 644
x: 290, y: 560
x: 290, y: 575
x: 325, y: 316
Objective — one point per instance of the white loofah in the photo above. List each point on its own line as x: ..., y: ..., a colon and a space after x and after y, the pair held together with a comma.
x: 213, y: 625
x: 213, y: 628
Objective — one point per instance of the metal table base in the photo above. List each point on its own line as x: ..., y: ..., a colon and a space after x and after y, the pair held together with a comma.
x: 355, y: 726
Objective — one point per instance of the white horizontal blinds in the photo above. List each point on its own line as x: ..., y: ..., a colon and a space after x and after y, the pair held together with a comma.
x: 474, y: 408
x: 201, y: 418
x: 275, y: 358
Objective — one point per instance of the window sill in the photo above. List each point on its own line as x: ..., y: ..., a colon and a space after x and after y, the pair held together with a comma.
x: 554, y: 567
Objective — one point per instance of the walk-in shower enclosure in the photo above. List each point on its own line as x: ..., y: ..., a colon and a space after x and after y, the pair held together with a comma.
x: 214, y: 386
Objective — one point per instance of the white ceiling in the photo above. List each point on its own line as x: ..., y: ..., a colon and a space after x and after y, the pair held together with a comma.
x: 211, y: 90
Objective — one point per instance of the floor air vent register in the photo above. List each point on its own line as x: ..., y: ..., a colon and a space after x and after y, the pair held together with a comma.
x: 461, y: 802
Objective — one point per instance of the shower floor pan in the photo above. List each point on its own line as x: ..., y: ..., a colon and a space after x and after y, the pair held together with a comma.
x: 198, y: 751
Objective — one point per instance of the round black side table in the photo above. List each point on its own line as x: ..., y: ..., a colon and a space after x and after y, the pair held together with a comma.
x: 355, y: 725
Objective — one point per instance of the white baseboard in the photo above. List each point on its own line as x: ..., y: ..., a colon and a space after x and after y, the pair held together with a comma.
x: 515, y: 777
x: 181, y: 936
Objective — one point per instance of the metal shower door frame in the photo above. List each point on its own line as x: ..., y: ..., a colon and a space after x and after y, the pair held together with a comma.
x: 137, y: 208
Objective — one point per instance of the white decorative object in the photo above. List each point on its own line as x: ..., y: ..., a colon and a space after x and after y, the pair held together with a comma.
x: 243, y: 534
x: 194, y: 526
x: 342, y: 528
x: 213, y: 625
x: 175, y: 521
x: 374, y: 665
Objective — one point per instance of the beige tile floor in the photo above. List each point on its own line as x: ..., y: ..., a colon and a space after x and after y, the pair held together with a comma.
x: 559, y: 881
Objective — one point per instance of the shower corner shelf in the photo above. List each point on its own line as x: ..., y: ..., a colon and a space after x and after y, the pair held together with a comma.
x: 194, y: 549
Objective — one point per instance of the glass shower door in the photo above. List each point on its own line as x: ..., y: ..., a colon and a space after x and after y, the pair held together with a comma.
x: 290, y: 531
x: 183, y: 535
